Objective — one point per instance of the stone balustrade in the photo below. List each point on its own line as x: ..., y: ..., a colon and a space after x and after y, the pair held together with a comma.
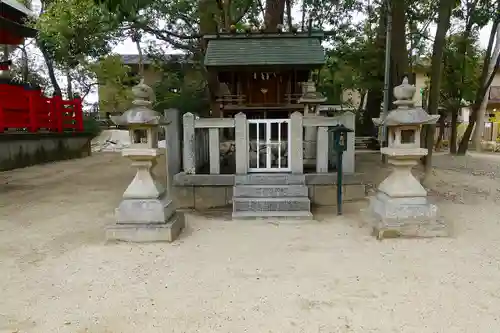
x: 202, y: 142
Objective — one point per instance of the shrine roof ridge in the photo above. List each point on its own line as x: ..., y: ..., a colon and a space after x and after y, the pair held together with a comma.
x: 264, y: 35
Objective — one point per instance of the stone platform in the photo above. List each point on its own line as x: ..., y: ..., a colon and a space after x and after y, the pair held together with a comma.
x: 147, y: 232
x: 405, y: 217
x: 146, y: 220
x: 203, y: 191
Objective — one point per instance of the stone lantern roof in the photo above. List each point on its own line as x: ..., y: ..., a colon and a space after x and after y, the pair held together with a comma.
x: 406, y: 113
x: 141, y: 113
x: 311, y: 96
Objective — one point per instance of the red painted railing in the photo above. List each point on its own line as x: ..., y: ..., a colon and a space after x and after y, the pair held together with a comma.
x: 22, y: 108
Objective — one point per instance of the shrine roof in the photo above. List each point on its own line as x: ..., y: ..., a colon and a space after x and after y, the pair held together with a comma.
x: 264, y: 49
x: 17, y: 6
x: 17, y: 28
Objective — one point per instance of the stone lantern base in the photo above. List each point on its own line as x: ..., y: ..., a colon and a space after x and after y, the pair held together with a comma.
x: 405, y: 217
x: 401, y: 208
x: 146, y: 221
x: 146, y: 213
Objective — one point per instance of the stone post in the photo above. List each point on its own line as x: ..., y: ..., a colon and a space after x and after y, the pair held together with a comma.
x: 322, y: 150
x: 296, y: 152
x: 172, y: 146
x: 310, y: 139
x: 241, y: 144
x: 189, y: 142
x: 214, y: 148
x: 146, y: 213
x: 349, y: 121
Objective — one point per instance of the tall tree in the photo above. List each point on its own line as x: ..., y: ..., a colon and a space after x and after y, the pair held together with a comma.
x: 478, y: 133
x: 484, y: 82
x: 444, y: 16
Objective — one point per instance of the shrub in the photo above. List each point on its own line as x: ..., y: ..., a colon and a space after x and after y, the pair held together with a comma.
x: 90, y: 125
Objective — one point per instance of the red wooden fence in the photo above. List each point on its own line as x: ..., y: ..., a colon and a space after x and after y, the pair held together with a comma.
x: 22, y: 108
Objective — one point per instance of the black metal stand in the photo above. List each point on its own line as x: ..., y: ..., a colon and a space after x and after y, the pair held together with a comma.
x: 339, y: 182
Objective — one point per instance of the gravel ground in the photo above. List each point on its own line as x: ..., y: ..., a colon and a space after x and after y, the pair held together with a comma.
x: 58, y: 275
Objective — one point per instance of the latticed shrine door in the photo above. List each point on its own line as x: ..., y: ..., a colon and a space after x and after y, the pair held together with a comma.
x: 264, y: 88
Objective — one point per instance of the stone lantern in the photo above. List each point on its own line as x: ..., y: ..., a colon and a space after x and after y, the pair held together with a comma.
x: 146, y: 213
x: 401, y: 207
x: 311, y: 99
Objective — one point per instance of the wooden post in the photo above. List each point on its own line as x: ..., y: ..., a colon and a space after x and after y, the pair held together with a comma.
x: 58, y: 109
x: 33, y: 109
x: 2, y: 119
x: 78, y: 114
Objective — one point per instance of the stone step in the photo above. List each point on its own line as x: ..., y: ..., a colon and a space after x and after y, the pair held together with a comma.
x: 270, y: 179
x: 269, y: 191
x: 280, y: 215
x: 289, y: 204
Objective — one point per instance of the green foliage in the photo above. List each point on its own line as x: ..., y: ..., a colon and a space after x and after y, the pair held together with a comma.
x: 460, y: 72
x: 115, y: 84
x: 74, y: 29
x: 181, y: 88
x: 352, y: 65
x: 91, y: 126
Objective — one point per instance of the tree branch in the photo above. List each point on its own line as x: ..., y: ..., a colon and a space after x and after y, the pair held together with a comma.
x: 261, y: 7
x: 245, y: 10
x: 164, y: 32
x: 167, y: 36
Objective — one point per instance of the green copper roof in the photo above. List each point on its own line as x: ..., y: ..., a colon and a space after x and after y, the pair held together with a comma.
x: 264, y: 50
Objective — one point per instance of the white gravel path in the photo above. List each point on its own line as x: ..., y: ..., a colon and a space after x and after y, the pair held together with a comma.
x: 331, y: 276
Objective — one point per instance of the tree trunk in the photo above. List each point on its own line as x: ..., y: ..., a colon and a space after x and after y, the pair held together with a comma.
x: 444, y: 16
x: 442, y: 125
x: 48, y: 60
x: 453, y: 135
x: 5, y: 53
x: 274, y: 15
x: 50, y: 70
x: 375, y: 96
x: 485, y: 82
x: 303, y: 20
x: 208, y: 11
x: 25, y: 69
x: 399, y: 53
x: 289, y: 14
x: 141, y: 57
x: 478, y: 134
x: 69, y: 88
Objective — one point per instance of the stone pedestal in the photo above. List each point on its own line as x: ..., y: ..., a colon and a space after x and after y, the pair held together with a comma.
x: 401, y: 208
x: 146, y: 213
x: 405, y: 217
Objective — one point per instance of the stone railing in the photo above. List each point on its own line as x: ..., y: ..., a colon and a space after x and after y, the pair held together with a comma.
x: 317, y: 141
x: 198, y: 150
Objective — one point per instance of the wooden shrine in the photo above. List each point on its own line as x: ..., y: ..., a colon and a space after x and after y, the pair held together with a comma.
x: 261, y: 73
